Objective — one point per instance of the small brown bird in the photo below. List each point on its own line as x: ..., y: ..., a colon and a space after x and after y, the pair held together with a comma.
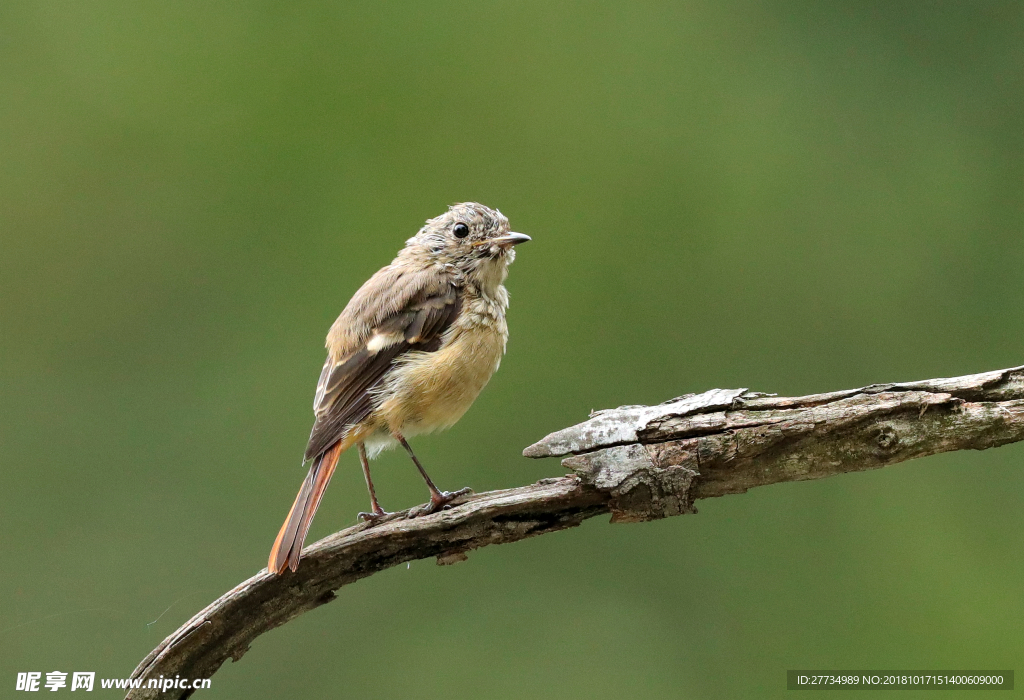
x: 408, y: 355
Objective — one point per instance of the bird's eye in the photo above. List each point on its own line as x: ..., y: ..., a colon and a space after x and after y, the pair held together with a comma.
x: 460, y: 230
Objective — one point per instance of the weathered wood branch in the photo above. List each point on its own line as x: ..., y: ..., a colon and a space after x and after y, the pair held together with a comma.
x: 637, y: 462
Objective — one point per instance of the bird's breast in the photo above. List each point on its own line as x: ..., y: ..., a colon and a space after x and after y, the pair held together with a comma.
x: 429, y: 391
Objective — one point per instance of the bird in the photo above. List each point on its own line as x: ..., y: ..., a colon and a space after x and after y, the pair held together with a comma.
x: 408, y: 355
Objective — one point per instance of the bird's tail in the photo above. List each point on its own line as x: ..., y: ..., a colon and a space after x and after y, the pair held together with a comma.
x: 288, y: 545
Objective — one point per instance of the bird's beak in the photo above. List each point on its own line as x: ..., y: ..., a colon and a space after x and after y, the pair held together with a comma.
x: 508, y: 240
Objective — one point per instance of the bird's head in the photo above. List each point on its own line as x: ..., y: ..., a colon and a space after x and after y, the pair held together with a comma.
x: 471, y: 239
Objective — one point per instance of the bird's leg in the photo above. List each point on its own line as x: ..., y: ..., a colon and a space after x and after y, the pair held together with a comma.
x: 435, y: 495
x: 378, y: 512
x: 438, y: 499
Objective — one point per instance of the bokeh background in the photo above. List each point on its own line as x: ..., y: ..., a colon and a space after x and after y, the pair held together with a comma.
x: 789, y: 196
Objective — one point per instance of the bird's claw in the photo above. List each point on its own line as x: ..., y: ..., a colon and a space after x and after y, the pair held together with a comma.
x: 374, y: 517
x: 440, y: 501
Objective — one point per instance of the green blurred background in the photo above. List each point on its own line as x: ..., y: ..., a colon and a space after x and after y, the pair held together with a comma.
x: 790, y: 196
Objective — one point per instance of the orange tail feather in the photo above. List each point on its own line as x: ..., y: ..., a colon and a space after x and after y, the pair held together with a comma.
x: 288, y: 545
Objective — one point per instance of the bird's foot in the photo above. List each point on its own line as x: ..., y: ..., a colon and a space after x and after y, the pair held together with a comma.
x: 439, y: 501
x: 375, y: 517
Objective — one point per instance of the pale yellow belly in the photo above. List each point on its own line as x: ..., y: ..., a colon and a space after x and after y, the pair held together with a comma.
x: 432, y: 390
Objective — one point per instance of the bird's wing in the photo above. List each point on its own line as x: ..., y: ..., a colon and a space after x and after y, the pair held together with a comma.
x: 395, y: 312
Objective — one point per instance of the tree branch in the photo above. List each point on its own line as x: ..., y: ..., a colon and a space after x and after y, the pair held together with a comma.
x: 637, y: 462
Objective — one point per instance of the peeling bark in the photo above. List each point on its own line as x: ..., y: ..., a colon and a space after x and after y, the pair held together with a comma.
x: 636, y: 462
